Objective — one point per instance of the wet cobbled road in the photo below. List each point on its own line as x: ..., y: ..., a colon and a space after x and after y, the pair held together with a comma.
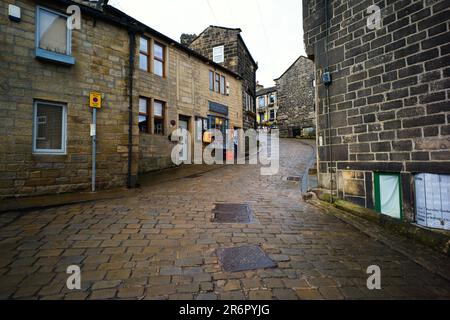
x: 160, y: 243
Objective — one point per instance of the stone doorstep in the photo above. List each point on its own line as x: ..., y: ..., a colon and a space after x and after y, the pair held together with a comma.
x: 433, y: 261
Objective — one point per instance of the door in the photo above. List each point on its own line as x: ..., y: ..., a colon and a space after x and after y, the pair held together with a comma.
x: 388, y: 196
x: 184, y: 124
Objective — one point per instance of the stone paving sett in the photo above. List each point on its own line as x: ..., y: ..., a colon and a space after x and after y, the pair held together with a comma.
x: 160, y: 243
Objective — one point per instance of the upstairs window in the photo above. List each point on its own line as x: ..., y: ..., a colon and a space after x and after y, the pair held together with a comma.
x: 53, y: 38
x: 218, y: 54
x: 144, y: 54
x: 217, y: 83
x: 49, y: 128
x: 262, y: 102
x: 158, y: 59
x: 222, y: 85
x: 211, y: 80
x: 272, y: 98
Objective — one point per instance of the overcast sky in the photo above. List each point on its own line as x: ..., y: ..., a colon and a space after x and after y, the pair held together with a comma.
x: 270, y: 28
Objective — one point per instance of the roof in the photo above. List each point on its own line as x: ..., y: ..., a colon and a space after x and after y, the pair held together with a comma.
x: 115, y: 16
x: 264, y: 91
x: 292, y: 66
x: 238, y: 30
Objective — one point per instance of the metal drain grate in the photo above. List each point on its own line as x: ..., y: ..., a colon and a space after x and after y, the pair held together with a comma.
x: 293, y: 178
x: 232, y: 213
x: 244, y: 259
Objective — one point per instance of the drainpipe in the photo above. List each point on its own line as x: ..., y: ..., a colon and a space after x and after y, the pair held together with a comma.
x: 330, y: 143
x: 132, y: 38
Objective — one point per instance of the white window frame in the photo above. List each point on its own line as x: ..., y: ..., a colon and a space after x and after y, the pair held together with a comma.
x: 63, y: 149
x: 219, y: 57
x: 38, y: 39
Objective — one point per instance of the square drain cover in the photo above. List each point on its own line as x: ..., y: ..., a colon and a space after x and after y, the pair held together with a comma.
x: 244, y: 259
x: 232, y: 213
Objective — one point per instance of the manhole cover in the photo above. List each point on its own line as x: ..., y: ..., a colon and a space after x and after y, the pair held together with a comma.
x: 232, y: 213
x: 244, y: 259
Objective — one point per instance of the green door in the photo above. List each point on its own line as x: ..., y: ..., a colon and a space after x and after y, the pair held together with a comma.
x: 388, y: 194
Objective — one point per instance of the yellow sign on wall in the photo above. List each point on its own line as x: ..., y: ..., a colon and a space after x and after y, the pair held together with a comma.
x: 95, y: 100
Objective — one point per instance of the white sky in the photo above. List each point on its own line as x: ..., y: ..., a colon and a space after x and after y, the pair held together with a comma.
x: 272, y: 29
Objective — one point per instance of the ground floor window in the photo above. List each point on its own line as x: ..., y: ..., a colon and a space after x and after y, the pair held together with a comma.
x: 49, y: 127
x: 432, y: 193
x: 144, y: 115
x: 158, y: 117
x: 388, y: 198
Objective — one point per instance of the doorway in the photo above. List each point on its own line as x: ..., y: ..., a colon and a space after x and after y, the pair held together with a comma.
x: 183, y: 123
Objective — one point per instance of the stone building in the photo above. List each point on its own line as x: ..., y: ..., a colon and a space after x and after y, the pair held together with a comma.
x: 295, y: 88
x: 266, y: 107
x: 384, y: 133
x: 226, y: 47
x: 150, y: 85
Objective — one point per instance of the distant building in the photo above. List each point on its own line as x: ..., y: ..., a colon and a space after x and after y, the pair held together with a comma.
x: 226, y: 47
x: 266, y: 107
x: 296, y: 105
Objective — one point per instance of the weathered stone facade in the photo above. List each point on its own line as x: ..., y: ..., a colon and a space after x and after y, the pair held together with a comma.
x: 186, y: 94
x: 101, y: 66
x: 101, y: 52
x: 296, y: 113
x: 389, y: 99
x: 237, y: 58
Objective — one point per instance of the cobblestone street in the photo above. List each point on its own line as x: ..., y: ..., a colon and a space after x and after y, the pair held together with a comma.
x: 160, y: 243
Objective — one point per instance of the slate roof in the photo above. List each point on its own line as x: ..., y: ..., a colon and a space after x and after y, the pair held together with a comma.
x: 265, y: 91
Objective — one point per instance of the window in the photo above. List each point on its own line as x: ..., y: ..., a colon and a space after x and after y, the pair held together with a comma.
x: 249, y: 103
x: 158, y: 117
x: 218, y: 54
x: 158, y: 59
x: 217, y: 83
x: 49, y: 128
x: 144, y: 115
x: 53, y: 38
x: 272, y: 115
x: 388, y: 196
x: 432, y: 194
x: 262, y: 102
x: 272, y: 98
x: 222, y: 85
x: 144, y: 54
x: 211, y: 80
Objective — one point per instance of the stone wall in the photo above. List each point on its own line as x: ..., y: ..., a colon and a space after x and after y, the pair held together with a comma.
x: 101, y: 52
x: 389, y: 100
x: 296, y: 99
x: 237, y: 59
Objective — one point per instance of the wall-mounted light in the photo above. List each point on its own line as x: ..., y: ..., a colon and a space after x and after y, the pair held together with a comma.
x: 14, y: 13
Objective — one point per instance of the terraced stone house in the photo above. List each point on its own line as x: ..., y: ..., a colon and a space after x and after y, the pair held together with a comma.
x: 296, y: 116
x: 384, y: 114
x: 226, y: 47
x: 150, y: 85
x: 267, y: 107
